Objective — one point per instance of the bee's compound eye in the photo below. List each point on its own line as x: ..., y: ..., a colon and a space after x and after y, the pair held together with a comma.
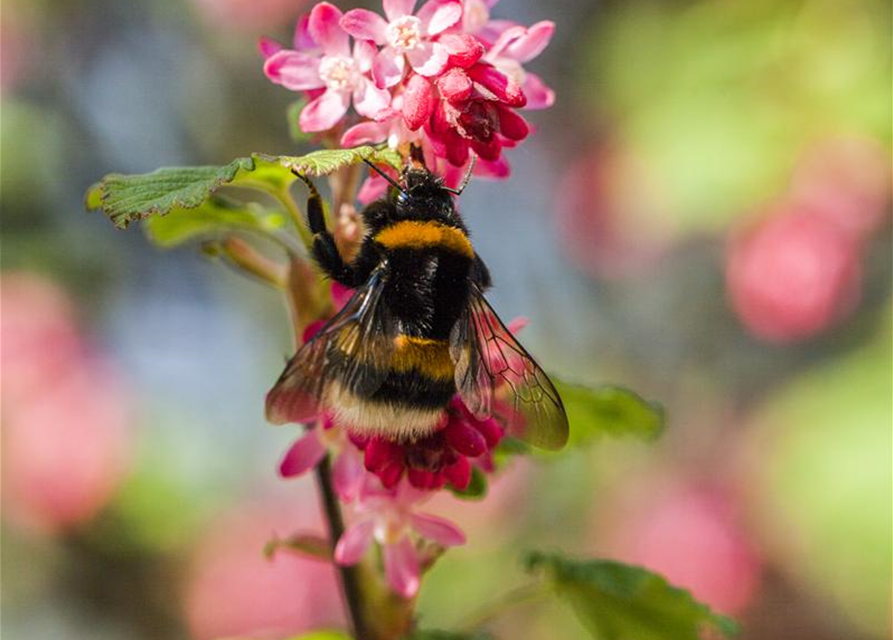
x: 402, y: 197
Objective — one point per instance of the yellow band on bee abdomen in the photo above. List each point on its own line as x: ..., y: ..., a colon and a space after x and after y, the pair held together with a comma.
x: 425, y: 355
x: 415, y: 234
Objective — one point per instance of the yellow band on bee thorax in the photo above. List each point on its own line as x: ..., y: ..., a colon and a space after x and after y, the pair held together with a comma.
x: 416, y: 234
x: 427, y: 356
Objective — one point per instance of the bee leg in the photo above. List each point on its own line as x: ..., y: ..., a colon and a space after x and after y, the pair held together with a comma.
x: 324, y: 250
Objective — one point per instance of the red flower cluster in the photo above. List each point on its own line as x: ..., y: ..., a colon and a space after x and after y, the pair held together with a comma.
x: 444, y: 457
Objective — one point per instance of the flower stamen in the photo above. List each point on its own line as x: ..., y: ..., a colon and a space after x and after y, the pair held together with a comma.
x: 338, y: 72
x: 405, y: 33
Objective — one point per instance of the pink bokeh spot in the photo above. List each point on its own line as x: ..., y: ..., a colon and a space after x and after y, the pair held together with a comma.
x: 67, y: 415
x: 793, y: 275
x: 691, y: 536
x: 234, y: 591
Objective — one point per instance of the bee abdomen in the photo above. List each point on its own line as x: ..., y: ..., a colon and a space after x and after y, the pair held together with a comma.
x: 411, y: 400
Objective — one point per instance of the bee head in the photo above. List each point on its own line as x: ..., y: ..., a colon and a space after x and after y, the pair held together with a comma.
x: 423, y: 197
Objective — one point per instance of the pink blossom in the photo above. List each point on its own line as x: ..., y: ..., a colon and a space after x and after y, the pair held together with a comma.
x: 387, y: 517
x: 516, y: 46
x: 405, y: 36
x: 324, y: 65
x: 475, y: 112
x: 308, y: 450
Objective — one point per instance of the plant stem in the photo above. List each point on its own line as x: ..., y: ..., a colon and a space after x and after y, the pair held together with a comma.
x: 350, y: 585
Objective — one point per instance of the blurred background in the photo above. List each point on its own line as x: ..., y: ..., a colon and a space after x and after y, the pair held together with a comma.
x: 704, y: 216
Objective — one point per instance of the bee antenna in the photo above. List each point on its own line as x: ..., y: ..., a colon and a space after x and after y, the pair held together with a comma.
x: 465, y: 179
x: 384, y: 175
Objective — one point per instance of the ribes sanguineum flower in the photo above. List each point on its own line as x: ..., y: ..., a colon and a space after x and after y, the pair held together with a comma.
x: 388, y: 517
x: 516, y: 46
x: 320, y: 439
x: 324, y: 65
x: 444, y: 457
x: 405, y: 37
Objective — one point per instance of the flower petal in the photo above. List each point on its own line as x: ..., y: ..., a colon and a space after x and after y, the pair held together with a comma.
x: 325, y: 29
x: 511, y: 125
x: 267, y: 47
x: 459, y: 473
x: 380, y: 453
x: 455, y: 85
x: 294, y: 70
x: 354, y: 542
x: 373, y: 188
x: 401, y: 567
x: 506, y: 38
x: 497, y: 169
x: 437, y: 16
x: 364, y: 53
x: 364, y: 133
x: 365, y: 25
x: 441, y: 531
x: 539, y: 95
x: 394, y: 9
x: 325, y: 111
x: 302, y: 39
x: 464, y: 438
x: 487, y: 150
x: 530, y: 45
x: 429, y: 58
x: 464, y: 50
x: 418, y: 102
x: 501, y: 86
x: 388, y: 68
x: 303, y: 455
x: 347, y: 474
x: 369, y: 100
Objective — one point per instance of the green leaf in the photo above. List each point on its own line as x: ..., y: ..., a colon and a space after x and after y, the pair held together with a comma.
x: 448, y: 635
x: 127, y: 198
x: 215, y: 216
x: 477, y: 487
x: 609, y: 410
x: 325, y: 161
x: 173, y: 189
x: 623, y: 602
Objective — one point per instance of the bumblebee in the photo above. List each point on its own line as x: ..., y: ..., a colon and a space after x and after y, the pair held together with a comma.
x: 416, y: 332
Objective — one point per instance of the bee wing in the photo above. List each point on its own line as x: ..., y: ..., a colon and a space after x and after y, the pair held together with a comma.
x: 352, y: 349
x: 495, y: 376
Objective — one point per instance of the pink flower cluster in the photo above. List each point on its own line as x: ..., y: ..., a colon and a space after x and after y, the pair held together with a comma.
x: 445, y: 77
